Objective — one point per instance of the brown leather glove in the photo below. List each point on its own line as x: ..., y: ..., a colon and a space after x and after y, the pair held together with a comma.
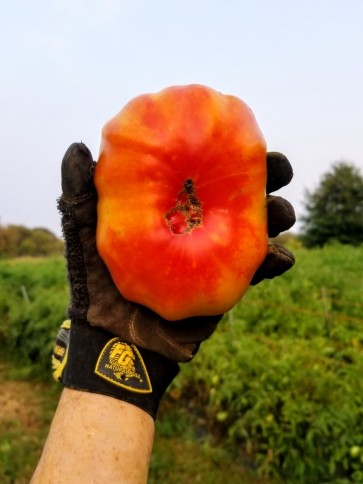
x: 94, y: 297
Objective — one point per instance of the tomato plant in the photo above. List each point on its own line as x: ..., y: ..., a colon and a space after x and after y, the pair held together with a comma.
x: 181, y: 182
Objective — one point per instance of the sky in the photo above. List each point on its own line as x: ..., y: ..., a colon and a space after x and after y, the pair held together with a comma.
x: 68, y: 66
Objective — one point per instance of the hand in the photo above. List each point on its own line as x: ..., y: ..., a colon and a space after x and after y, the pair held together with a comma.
x: 94, y: 297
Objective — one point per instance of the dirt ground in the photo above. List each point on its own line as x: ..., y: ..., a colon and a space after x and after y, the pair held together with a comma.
x: 26, y: 408
x: 18, y: 402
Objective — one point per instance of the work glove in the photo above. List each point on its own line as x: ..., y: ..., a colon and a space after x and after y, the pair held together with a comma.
x: 127, y: 345
x: 95, y: 298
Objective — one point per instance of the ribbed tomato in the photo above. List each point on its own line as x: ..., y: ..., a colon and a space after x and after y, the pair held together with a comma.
x: 181, y: 182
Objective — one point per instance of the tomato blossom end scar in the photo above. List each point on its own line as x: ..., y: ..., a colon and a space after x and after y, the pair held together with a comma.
x: 186, y: 214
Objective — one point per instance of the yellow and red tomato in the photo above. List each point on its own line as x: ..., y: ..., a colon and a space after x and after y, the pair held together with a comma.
x: 181, y: 180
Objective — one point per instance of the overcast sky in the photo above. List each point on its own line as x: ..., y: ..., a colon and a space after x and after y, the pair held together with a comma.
x: 67, y: 66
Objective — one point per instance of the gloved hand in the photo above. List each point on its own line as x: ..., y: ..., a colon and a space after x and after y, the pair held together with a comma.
x: 94, y: 296
x: 98, y: 309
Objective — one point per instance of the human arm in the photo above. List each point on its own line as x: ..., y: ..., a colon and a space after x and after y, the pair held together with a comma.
x: 95, y: 438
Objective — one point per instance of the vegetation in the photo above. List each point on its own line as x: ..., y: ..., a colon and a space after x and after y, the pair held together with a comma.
x: 33, y: 303
x: 276, y: 395
x: 334, y: 211
x: 18, y: 241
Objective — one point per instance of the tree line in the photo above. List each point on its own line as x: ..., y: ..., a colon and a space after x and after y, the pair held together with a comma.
x: 333, y: 212
x: 19, y: 241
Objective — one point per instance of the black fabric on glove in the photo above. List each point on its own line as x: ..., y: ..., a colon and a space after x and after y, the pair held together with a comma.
x: 99, y: 362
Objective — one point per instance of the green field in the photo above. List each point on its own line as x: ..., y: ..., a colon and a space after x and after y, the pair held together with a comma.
x: 276, y: 395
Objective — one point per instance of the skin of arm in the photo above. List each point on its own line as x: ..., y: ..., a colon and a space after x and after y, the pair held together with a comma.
x: 95, y: 438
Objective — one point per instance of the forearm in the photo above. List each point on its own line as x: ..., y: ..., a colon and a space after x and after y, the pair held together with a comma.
x: 96, y: 438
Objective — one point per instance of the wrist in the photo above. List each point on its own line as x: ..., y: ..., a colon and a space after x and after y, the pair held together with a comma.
x: 98, y: 439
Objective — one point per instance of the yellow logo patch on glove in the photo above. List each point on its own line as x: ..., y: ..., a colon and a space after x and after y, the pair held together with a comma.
x: 60, y: 351
x: 121, y: 364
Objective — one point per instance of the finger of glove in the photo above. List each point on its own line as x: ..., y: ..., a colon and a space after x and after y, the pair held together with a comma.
x: 77, y: 172
x: 191, y: 330
x: 278, y: 260
x: 280, y: 215
x: 180, y: 341
x: 279, y: 171
x: 78, y: 203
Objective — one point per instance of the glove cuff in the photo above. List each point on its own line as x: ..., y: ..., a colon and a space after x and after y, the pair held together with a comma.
x: 99, y: 362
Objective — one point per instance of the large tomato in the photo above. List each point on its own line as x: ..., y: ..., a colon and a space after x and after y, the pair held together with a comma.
x: 181, y: 182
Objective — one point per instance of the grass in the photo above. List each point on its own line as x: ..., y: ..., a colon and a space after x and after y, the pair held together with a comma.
x: 177, y: 461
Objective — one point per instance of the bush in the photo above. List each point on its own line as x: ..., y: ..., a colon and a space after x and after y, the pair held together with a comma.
x: 33, y: 303
x: 280, y: 383
x: 19, y: 241
x: 292, y: 407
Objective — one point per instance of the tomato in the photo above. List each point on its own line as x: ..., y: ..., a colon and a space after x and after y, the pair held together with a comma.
x: 181, y: 180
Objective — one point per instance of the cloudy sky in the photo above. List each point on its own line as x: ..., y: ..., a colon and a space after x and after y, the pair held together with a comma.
x: 67, y: 66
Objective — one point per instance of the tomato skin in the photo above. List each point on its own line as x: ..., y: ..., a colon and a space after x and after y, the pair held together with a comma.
x: 181, y: 179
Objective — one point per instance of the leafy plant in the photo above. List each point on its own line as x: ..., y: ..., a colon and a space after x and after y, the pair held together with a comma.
x: 278, y: 387
x: 280, y: 381
x: 33, y: 303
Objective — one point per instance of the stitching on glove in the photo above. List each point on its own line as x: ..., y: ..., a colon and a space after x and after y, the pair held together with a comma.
x: 133, y: 332
x: 184, y: 353
x: 88, y: 241
x: 77, y: 200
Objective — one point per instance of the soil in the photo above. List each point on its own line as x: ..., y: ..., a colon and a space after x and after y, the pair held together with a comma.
x: 19, y: 403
